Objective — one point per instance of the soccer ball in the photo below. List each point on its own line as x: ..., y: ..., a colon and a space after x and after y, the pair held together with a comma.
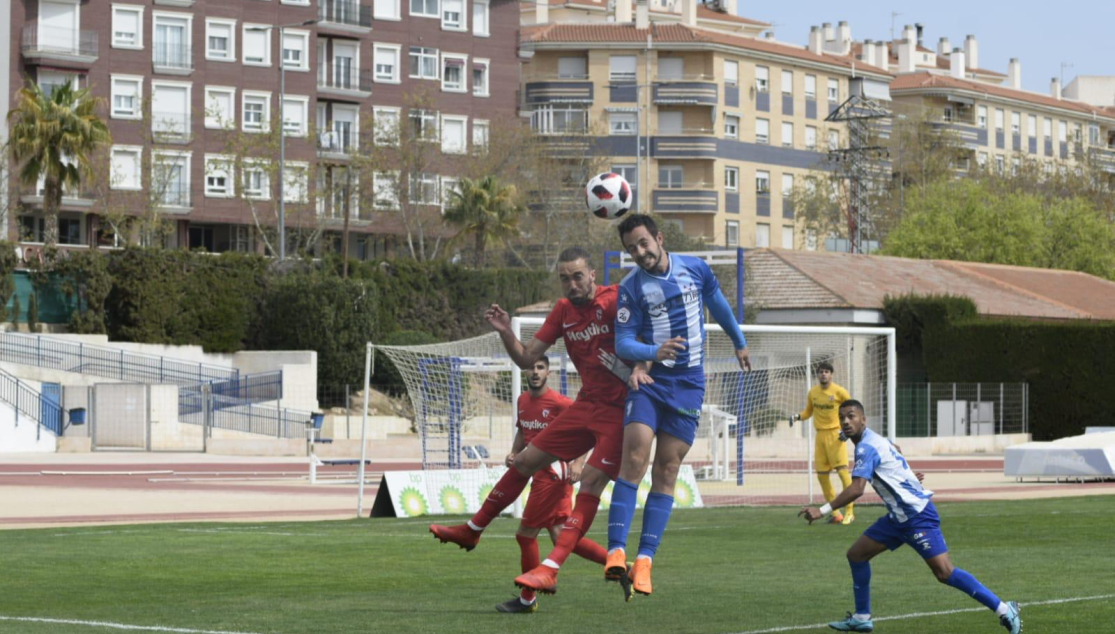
x: 608, y: 195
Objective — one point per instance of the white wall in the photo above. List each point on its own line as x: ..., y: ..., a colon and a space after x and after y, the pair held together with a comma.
x: 21, y: 437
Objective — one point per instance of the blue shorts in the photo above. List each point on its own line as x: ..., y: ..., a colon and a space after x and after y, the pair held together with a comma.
x: 922, y: 532
x: 671, y: 405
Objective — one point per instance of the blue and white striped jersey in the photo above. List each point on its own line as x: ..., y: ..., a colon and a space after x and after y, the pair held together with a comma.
x: 877, y: 460
x: 659, y: 308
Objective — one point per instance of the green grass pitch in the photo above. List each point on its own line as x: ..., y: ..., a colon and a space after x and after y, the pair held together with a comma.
x: 719, y: 571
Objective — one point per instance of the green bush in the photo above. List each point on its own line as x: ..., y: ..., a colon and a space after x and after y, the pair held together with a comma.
x: 387, y: 377
x: 912, y: 316
x: 33, y: 313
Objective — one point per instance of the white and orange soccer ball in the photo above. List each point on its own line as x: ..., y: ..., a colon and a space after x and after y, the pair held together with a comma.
x: 608, y: 195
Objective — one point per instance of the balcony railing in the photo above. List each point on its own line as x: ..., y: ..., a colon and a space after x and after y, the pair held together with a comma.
x: 170, y: 126
x: 173, y: 58
x: 50, y: 41
x: 336, y: 142
x: 176, y: 195
x: 351, y: 14
x: 344, y: 78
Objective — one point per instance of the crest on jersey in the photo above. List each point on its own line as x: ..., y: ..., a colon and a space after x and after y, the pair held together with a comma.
x: 623, y: 315
x: 599, y: 314
x: 545, y: 413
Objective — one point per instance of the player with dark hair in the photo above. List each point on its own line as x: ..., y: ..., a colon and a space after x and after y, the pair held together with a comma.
x: 662, y: 302
x: 911, y: 519
x: 829, y: 449
x: 585, y: 319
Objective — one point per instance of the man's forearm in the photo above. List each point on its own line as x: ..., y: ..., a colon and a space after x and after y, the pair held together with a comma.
x: 515, y: 349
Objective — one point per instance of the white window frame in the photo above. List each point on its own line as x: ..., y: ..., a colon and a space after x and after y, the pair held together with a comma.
x: 481, y: 27
x: 214, y: 123
x: 423, y: 179
x: 731, y: 233
x: 296, y: 183
x: 119, y: 8
x: 482, y: 89
x: 425, y: 115
x: 446, y: 186
x: 731, y: 126
x: 138, y: 176
x: 810, y: 86
x: 1032, y: 125
x: 170, y: 15
x: 382, y: 136
x: 461, y: 57
x: 622, y: 75
x: 224, y: 165
x: 304, y: 65
x: 731, y: 179
x: 981, y: 117
x: 787, y: 185
x: 138, y: 106
x: 787, y: 139
x: 267, y: 32
x: 303, y: 125
x: 435, y: 15
x: 618, y: 123
x: 834, y: 139
x: 762, y: 235
x: 1016, y: 123
x: 393, y: 78
x: 1062, y: 131
x: 231, y: 24
x: 186, y: 158
x: 1000, y: 118
x: 395, y: 15
x: 463, y: 120
x: 762, y: 79
x: 762, y: 182
x: 422, y: 56
x: 810, y: 131
x: 833, y: 86
x: 786, y: 235
x: 265, y: 123
x: 787, y: 82
x: 480, y: 140
x: 731, y: 78
x: 1047, y: 128
x: 187, y: 116
x: 760, y: 137
x: 255, y: 165
x: 462, y: 19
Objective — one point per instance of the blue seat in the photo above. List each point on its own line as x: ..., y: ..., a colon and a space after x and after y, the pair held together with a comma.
x: 476, y: 452
x: 317, y: 420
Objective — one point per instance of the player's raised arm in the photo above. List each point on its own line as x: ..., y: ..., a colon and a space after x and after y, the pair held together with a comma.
x: 721, y: 311
x: 850, y: 494
x: 522, y: 355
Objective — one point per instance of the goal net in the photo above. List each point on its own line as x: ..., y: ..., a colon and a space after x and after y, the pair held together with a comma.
x: 746, y: 451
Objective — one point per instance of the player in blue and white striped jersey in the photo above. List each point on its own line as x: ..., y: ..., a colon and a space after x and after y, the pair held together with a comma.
x: 662, y: 302
x: 911, y: 519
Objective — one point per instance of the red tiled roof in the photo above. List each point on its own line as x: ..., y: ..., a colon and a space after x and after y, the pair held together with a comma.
x: 943, y: 64
x: 679, y: 33
x: 703, y: 12
x: 918, y: 81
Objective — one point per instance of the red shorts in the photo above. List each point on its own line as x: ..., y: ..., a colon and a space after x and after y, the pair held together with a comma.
x: 550, y: 501
x: 584, y: 426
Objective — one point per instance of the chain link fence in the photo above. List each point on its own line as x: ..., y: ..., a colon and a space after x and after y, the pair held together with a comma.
x: 962, y: 409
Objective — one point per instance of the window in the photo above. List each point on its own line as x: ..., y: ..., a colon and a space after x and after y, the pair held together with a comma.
x: 762, y: 235
x: 255, y: 181
x: 559, y: 120
x: 810, y: 86
x: 787, y: 82
x: 480, y: 18
x: 295, y: 45
x: 453, y: 15
x: 424, y: 124
x: 731, y: 126
x: 670, y: 176
x: 670, y: 121
x: 731, y: 237
x: 386, y: 59
x: 981, y: 120
x: 386, y: 10
x: 423, y: 189
x: 127, y: 26
x: 384, y: 185
x: 296, y: 179
x: 1015, y: 123
x: 999, y: 163
x: 787, y: 135
x: 1062, y: 131
x: 424, y: 8
x: 220, y: 111
x: 423, y: 62
x: 762, y: 182
x: 220, y: 41
x: 296, y: 112
x: 810, y: 137
x: 1032, y: 125
x: 480, y: 131
x: 1078, y: 133
x: 572, y: 68
x: 386, y: 122
x: 948, y: 116
x: 621, y: 123
x: 1015, y: 163
x: 453, y: 72
x: 731, y: 72
x: 172, y: 39
x: 257, y: 111
x: 762, y: 78
x: 833, y: 90
x: 998, y: 118
x: 50, y: 80
x: 480, y: 77
x: 1047, y: 128
x: 621, y: 68
x: 787, y: 185
x: 731, y: 179
x: 170, y: 109
x: 671, y: 68
x: 127, y: 97
x: 127, y: 161
x: 762, y: 131
x: 257, y: 44
x: 171, y: 178
x: 981, y: 159
x: 1093, y: 133
x: 787, y: 237
x: 448, y: 187
x: 630, y: 173
x: 834, y: 139
x: 453, y: 134
x: 218, y: 176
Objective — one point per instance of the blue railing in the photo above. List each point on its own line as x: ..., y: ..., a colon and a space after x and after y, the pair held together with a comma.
x: 234, y: 406
x: 112, y: 363
x: 30, y: 404
x: 250, y: 388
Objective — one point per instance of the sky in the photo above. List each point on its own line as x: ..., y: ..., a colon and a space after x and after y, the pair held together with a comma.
x: 1041, y: 34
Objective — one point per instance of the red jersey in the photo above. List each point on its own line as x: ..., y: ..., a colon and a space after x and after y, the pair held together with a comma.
x: 587, y: 330
x: 535, y: 414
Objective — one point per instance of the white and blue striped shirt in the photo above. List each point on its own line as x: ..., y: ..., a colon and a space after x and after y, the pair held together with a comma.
x: 877, y: 460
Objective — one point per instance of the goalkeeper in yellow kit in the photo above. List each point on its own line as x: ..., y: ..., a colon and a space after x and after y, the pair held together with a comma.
x: 829, y: 451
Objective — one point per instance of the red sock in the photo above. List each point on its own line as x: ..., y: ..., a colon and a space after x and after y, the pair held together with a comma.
x: 584, y: 511
x: 591, y: 551
x: 528, y: 548
x: 506, y: 491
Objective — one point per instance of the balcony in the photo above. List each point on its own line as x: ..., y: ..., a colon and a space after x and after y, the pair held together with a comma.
x: 73, y: 199
x: 175, y: 196
x: 1103, y: 157
x: 336, y: 144
x: 173, y: 60
x: 171, y: 127
x: 344, y: 82
x: 967, y: 133
x: 559, y: 90
x: 697, y: 198
x: 686, y: 92
x: 70, y: 48
x: 344, y: 18
x: 691, y: 143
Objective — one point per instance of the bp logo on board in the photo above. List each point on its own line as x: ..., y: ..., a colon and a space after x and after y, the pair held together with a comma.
x: 413, y: 502
x: 452, y: 500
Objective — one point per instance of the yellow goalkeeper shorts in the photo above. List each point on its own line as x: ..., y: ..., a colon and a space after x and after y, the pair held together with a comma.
x: 829, y: 452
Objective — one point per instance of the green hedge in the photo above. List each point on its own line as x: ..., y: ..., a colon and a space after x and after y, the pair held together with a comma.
x: 914, y: 315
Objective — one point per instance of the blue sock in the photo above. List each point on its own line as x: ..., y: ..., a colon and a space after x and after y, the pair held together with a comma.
x: 861, y: 585
x: 656, y: 514
x: 964, y: 581
x: 620, y: 513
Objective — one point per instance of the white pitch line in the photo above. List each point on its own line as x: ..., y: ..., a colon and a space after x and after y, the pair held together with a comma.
x: 914, y: 615
x: 116, y: 626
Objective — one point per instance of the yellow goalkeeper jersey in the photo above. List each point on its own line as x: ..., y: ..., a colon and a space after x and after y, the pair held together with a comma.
x: 824, y: 406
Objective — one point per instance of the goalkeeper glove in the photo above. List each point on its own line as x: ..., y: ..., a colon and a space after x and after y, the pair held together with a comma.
x: 794, y: 418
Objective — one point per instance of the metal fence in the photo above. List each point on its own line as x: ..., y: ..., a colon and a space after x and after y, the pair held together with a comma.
x: 112, y: 363
x: 30, y: 404
x: 221, y: 412
x: 962, y: 409
x: 250, y: 388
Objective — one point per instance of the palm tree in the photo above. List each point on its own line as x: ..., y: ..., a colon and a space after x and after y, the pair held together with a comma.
x: 485, y: 209
x: 53, y: 138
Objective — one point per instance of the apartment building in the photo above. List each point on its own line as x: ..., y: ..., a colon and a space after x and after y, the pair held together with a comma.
x: 710, y: 122
x: 177, y: 76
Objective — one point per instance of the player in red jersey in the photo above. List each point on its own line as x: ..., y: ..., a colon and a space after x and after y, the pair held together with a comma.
x: 585, y: 318
x: 551, y: 491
